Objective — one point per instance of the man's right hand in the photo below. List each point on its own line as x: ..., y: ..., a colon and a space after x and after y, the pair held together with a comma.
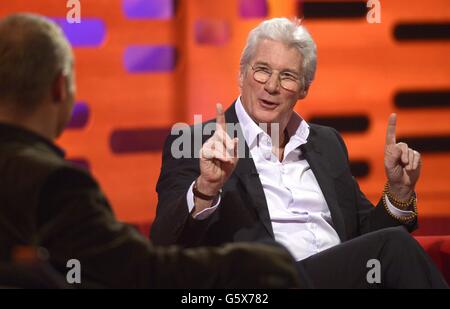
x: 218, y: 159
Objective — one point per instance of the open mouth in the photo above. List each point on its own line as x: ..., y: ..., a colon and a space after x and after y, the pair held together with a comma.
x: 267, y: 104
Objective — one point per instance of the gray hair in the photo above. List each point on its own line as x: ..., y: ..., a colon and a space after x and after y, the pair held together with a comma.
x: 33, y: 51
x: 289, y: 32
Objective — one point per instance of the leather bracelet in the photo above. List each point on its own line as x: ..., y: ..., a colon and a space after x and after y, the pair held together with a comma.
x: 201, y: 195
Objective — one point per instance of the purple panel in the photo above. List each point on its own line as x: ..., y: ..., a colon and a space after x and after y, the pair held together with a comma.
x: 253, y: 8
x: 212, y: 32
x: 149, y: 9
x: 80, y: 116
x: 81, y: 163
x: 138, y: 140
x: 89, y: 33
x: 139, y: 59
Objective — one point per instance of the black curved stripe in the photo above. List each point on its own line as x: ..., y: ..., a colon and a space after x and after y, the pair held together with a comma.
x: 425, y: 144
x: 339, y: 9
x: 422, y: 99
x: 356, y: 123
x: 360, y: 168
x: 422, y: 31
x: 138, y: 140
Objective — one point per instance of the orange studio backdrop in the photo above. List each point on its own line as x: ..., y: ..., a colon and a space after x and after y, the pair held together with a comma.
x: 143, y: 65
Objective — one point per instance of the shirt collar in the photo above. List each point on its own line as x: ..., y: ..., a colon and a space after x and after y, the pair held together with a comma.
x: 298, y: 129
x: 250, y: 129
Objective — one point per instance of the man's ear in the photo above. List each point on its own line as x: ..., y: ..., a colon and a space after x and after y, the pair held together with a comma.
x: 59, y: 89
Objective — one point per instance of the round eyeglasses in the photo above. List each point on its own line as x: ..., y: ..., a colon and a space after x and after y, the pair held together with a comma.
x: 288, y: 80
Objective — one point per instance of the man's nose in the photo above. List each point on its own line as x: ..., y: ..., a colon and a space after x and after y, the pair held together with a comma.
x: 273, y: 84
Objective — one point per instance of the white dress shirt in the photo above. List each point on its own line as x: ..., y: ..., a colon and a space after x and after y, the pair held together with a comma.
x: 299, y: 213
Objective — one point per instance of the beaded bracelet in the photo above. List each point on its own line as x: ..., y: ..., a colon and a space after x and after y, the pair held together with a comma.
x: 401, y: 218
x: 395, y: 201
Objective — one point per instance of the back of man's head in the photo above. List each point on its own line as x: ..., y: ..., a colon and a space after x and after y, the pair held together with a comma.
x: 33, y: 52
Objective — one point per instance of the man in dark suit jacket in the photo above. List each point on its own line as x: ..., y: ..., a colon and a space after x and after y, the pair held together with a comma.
x: 266, y: 173
x: 46, y: 202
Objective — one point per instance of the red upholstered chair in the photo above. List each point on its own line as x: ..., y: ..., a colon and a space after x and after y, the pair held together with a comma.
x: 438, y: 247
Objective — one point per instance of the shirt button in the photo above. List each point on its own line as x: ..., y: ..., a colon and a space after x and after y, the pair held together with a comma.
x: 267, y: 155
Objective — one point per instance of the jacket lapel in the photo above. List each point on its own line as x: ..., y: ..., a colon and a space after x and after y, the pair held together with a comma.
x: 321, y: 169
x: 246, y: 171
x: 248, y: 175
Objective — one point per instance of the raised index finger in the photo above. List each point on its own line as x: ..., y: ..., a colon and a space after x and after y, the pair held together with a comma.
x: 220, y: 117
x: 390, y: 132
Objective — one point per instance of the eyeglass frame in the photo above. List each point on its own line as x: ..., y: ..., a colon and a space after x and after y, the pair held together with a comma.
x: 280, y: 80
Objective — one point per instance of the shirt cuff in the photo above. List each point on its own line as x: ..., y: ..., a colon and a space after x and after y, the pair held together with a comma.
x: 204, y: 214
x: 395, y: 211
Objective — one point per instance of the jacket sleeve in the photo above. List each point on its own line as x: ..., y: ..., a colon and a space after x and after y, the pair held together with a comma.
x: 173, y: 223
x: 372, y: 218
x: 76, y: 222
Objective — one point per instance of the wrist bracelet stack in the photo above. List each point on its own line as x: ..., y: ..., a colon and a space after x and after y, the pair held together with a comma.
x: 398, y: 203
x: 403, y: 205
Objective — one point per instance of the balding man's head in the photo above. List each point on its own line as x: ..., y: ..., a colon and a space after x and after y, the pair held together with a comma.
x: 33, y: 53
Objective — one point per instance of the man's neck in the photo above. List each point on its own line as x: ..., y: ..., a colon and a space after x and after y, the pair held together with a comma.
x: 282, y: 135
x: 37, y: 123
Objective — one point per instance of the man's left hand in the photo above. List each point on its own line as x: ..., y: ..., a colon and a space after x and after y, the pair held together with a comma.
x: 402, y: 164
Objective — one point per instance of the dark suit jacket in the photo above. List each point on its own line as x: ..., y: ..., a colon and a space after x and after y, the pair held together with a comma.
x: 243, y: 214
x: 47, y: 202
